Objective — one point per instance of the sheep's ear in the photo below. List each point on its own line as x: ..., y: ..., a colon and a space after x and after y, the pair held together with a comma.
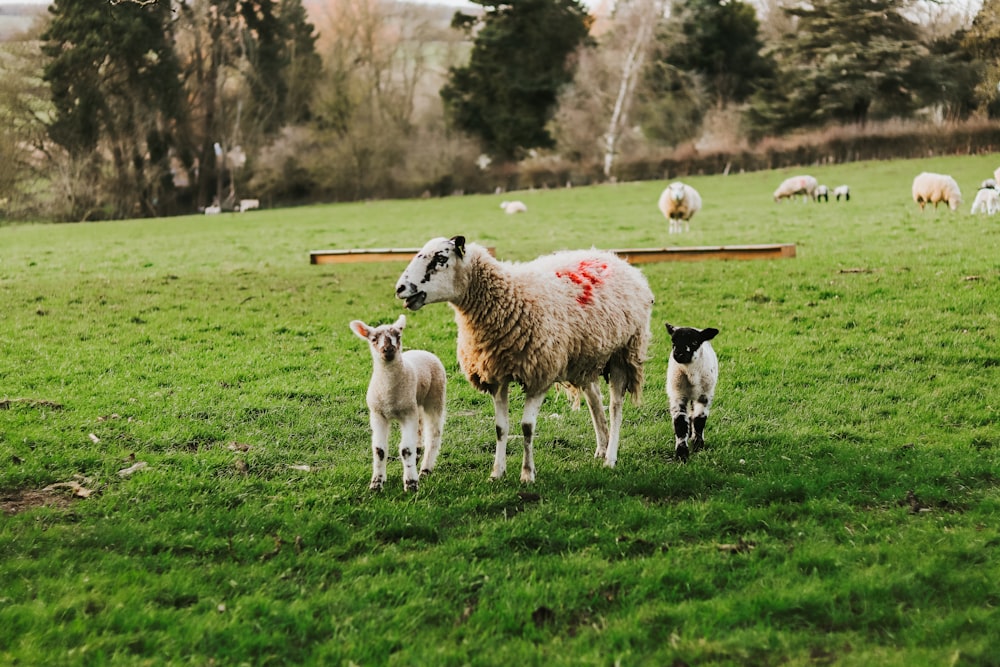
x: 670, y: 328
x: 360, y: 329
x: 459, y: 242
x: 708, y: 334
x: 401, y: 322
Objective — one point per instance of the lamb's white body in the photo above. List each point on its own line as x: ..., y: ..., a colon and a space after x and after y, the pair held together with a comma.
x: 408, y: 387
x: 797, y: 185
x: 512, y: 207
x: 678, y: 203
x: 842, y: 190
x: 987, y: 201
x: 822, y: 192
x: 567, y: 317
x: 931, y: 188
x: 692, y: 374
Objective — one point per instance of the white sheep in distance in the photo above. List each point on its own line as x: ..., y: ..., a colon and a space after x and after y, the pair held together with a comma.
x: 822, y: 192
x: 987, y: 201
x: 408, y: 387
x: 692, y: 373
x: 842, y: 190
x: 512, y: 207
x: 570, y: 317
x: 931, y: 188
x: 796, y: 185
x: 988, y: 183
x: 678, y: 203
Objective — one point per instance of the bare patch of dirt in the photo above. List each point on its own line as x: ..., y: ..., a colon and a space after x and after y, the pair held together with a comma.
x: 15, y: 502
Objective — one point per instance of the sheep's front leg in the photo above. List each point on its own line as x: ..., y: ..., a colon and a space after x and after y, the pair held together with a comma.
x: 501, y: 407
x: 678, y: 412
x: 380, y: 447
x: 616, y: 404
x: 699, y: 416
x: 410, y: 429
x: 595, y: 403
x: 532, y: 405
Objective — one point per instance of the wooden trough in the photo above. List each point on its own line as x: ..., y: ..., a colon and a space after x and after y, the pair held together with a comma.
x: 632, y: 255
x: 367, y: 255
x: 698, y: 253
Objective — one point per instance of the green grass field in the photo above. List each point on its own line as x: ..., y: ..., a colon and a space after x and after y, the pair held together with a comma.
x: 845, y: 511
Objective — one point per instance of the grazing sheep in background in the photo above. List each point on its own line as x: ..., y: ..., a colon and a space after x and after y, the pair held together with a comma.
x: 213, y: 210
x: 692, y: 373
x: 842, y: 190
x: 987, y: 201
x: 248, y: 205
x: 931, y: 188
x: 512, y: 207
x: 796, y: 185
x: 822, y: 192
x: 408, y: 387
x: 568, y: 317
x: 988, y: 183
x: 678, y: 203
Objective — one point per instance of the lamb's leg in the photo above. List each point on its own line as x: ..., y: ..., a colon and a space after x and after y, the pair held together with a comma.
x: 532, y: 405
x: 678, y: 412
x: 698, y: 418
x: 595, y: 403
x: 433, y: 426
x: 380, y: 449
x: 616, y: 403
x: 410, y: 429
x: 501, y: 417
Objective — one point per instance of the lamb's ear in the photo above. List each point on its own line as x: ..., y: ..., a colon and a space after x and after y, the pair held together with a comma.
x: 670, y: 328
x: 459, y: 242
x: 708, y: 334
x: 400, y: 323
x: 360, y: 329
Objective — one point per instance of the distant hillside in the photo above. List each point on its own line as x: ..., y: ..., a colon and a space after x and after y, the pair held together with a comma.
x: 16, y: 19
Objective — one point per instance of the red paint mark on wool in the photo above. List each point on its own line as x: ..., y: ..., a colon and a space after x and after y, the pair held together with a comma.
x: 588, y: 274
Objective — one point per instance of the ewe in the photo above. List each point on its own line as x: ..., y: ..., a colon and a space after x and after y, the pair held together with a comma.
x: 567, y: 317
x: 678, y: 203
x: 408, y: 387
x: 796, y: 185
x: 931, y: 188
x: 512, y: 207
x: 692, y: 373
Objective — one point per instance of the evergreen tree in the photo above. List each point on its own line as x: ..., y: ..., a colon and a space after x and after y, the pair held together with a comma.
x: 115, y: 88
x: 519, y: 62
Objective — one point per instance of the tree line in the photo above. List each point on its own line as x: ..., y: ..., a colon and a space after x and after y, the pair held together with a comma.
x: 158, y: 107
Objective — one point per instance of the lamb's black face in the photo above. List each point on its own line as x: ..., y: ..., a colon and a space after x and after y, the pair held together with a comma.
x: 687, y: 340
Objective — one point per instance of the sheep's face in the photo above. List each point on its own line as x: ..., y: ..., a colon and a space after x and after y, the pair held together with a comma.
x: 687, y: 342
x: 430, y: 276
x: 677, y: 192
x: 386, y: 341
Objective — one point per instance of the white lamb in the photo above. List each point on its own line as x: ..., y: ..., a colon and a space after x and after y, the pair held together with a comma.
x: 408, y: 387
x: 987, y: 201
x: 678, y: 203
x: 931, y: 188
x: 512, y: 207
x: 822, y: 192
x: 692, y: 374
x: 567, y: 317
x: 842, y: 190
x: 796, y: 185
x: 989, y: 183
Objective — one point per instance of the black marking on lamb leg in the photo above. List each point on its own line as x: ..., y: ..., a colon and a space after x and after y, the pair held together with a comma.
x: 681, y: 452
x: 528, y: 432
x: 499, y: 433
x: 425, y: 472
x: 380, y: 453
x: 405, y: 453
x: 699, y: 432
x: 411, y: 485
x: 681, y: 426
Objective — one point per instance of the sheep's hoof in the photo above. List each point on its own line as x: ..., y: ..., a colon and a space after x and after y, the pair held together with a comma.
x: 425, y: 472
x: 697, y: 444
x: 527, y: 476
x: 376, y: 484
x: 681, y: 452
x: 411, y: 485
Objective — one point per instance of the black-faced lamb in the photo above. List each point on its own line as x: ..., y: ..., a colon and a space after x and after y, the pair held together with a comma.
x: 566, y: 317
x: 678, y: 203
x: 931, y: 188
x: 692, y: 373
x: 408, y: 387
x: 796, y: 185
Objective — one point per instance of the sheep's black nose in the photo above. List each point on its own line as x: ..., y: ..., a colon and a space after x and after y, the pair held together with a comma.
x: 399, y: 288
